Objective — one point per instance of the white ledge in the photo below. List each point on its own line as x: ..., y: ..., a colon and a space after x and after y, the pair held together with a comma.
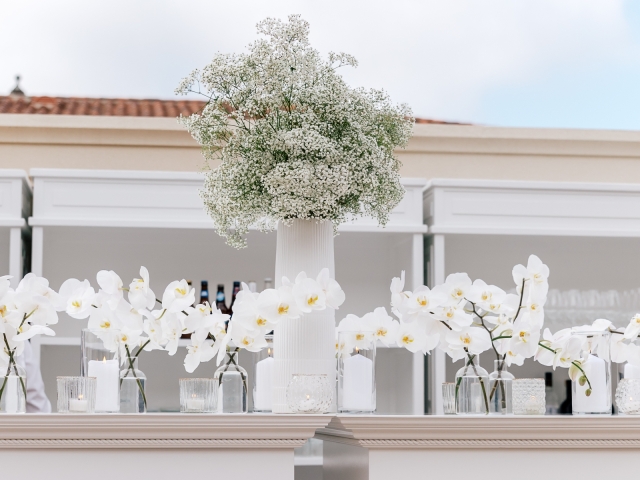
x: 513, y: 432
x: 158, y: 431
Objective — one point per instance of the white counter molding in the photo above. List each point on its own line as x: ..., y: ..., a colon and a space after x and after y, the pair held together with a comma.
x: 383, y: 447
x: 158, y: 446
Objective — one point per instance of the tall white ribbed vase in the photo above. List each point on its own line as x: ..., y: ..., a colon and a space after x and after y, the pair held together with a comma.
x: 305, y: 345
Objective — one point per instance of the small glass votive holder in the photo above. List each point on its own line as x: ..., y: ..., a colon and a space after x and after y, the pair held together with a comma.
x: 309, y: 393
x: 529, y: 396
x: 197, y: 395
x: 76, y: 394
x: 357, y: 372
x: 449, y: 398
x: 628, y: 396
x: 262, y: 385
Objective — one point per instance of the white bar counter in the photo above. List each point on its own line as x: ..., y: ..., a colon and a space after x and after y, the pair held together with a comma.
x: 371, y: 447
x: 154, y: 446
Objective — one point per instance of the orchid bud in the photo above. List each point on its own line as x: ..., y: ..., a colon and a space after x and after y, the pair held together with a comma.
x: 588, y: 392
x: 582, y: 380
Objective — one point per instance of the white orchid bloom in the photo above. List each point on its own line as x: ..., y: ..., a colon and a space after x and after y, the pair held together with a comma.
x: 422, y: 302
x: 127, y: 339
x: 246, y: 311
x: 473, y: 340
x: 152, y: 326
x: 507, y: 307
x: 383, y: 326
x: 172, y: 330
x: 524, y: 339
x: 104, y: 323
x: 398, y: 295
x: 536, y: 273
x: 454, y: 316
x: 111, y: 284
x: 5, y: 285
x: 275, y: 305
x: 333, y: 293
x: 358, y: 332
x: 413, y: 337
x: 534, y: 307
x: 633, y: 329
x: 456, y: 287
x: 140, y: 295
x: 343, y: 345
x: 178, y: 296
x: 34, y: 308
x: 502, y: 330
x: 200, y: 350
x: 78, y: 297
x: 27, y: 331
x: 252, y: 341
x: 32, y: 285
x: 308, y: 294
x: 486, y: 296
x: 198, y: 318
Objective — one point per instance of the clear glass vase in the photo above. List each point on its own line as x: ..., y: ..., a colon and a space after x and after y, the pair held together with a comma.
x: 472, y: 388
x: 133, y: 398
x: 13, y: 390
x: 104, y: 365
x: 231, y: 381
x: 500, y: 383
x: 591, y: 387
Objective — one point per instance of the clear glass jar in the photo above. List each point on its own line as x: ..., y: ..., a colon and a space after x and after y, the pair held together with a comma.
x: 76, y: 394
x: 133, y: 382
x: 263, y: 382
x: 500, y: 383
x: 472, y: 388
x: 309, y: 393
x: 529, y: 396
x: 356, y: 372
x: 591, y: 389
x: 197, y: 395
x: 13, y: 390
x: 104, y: 365
x: 449, y: 398
x: 231, y: 383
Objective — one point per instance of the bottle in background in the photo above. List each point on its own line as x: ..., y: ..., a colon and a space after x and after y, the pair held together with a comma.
x: 553, y: 404
x: 566, y: 407
x: 204, y: 291
x: 268, y: 283
x: 221, y: 300
x: 253, y: 286
x: 234, y: 293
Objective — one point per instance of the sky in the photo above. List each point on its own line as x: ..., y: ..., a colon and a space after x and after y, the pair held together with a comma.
x: 523, y: 63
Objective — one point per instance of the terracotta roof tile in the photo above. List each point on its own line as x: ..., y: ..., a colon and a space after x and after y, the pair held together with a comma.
x: 98, y: 106
x: 120, y: 107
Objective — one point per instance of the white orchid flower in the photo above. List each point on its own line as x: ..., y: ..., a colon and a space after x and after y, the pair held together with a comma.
x: 360, y: 334
x: 524, y: 339
x: 308, y: 294
x: 5, y: 285
x: 140, y: 295
x: 198, y: 318
x: 422, y: 302
x: 252, y: 341
x: 200, y: 350
x: 246, y: 311
x: 398, y: 295
x: 343, y: 345
x: 275, y: 305
x: 178, y: 296
x: 536, y: 273
x: 78, y: 297
x: 473, y: 340
x: 413, y: 337
x: 502, y: 330
x: 172, y: 330
x: 112, y: 286
x: 456, y: 287
x: 152, y: 326
x: 513, y: 358
x: 383, y: 326
x: 27, y: 331
x: 333, y: 293
x: 104, y: 323
x: 454, y: 316
x: 487, y: 297
x: 633, y: 329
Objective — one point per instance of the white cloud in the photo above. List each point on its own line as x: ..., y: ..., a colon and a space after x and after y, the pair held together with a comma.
x: 440, y: 56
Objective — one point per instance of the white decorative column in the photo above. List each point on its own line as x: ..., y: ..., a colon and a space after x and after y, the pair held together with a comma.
x: 306, y: 345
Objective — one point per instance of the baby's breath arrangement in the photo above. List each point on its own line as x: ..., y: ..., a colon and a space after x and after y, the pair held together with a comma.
x: 292, y: 138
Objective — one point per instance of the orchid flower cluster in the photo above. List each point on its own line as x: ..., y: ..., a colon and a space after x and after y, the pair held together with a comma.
x: 25, y: 312
x: 292, y: 138
x: 464, y: 318
x: 257, y: 314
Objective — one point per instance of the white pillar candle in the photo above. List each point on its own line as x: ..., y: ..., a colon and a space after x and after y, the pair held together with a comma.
x: 264, y: 372
x: 78, y: 405
x: 107, y: 373
x: 631, y: 371
x: 357, y: 384
x: 595, y: 370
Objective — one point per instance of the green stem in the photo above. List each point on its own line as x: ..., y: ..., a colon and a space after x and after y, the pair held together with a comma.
x: 133, y: 370
x: 572, y: 363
